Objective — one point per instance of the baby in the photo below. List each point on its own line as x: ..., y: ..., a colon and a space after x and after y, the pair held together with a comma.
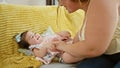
x: 37, y: 44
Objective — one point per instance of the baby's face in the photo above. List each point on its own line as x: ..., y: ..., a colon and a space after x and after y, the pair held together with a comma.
x: 33, y: 38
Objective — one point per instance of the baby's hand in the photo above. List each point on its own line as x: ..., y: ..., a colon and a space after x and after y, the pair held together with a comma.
x: 65, y: 35
x: 52, y: 47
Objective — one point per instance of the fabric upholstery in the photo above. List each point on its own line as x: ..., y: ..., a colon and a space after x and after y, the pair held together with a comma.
x: 15, y: 19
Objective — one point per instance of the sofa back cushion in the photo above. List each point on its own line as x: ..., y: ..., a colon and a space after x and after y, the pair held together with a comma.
x: 15, y: 19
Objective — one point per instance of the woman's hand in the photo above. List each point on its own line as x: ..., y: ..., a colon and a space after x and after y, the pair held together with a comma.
x: 59, y: 45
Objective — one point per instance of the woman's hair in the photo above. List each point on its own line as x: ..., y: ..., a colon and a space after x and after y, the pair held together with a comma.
x: 23, y: 43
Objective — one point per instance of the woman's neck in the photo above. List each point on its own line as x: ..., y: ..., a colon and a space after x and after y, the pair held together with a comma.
x: 84, y: 5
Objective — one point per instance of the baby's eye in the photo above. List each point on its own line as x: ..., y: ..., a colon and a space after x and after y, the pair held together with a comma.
x: 33, y: 36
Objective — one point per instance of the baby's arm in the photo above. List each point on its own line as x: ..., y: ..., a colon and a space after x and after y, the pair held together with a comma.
x: 40, y: 52
x: 67, y: 58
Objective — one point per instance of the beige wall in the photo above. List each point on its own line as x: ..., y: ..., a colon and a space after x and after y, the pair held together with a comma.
x: 26, y: 2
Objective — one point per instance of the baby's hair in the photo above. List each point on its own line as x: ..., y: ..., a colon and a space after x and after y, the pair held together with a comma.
x: 23, y: 43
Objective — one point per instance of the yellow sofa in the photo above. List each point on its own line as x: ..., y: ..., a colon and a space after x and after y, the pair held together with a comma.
x: 18, y: 18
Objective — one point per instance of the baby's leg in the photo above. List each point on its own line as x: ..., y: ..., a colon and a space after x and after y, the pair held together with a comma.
x: 67, y: 58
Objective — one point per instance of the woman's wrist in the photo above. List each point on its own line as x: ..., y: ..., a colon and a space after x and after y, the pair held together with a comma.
x: 63, y: 47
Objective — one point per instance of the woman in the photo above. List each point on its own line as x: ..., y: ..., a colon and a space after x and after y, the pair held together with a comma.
x: 73, y: 5
x: 93, y: 40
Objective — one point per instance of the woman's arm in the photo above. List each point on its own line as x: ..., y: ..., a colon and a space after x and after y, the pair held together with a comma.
x: 119, y: 6
x: 101, y: 21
